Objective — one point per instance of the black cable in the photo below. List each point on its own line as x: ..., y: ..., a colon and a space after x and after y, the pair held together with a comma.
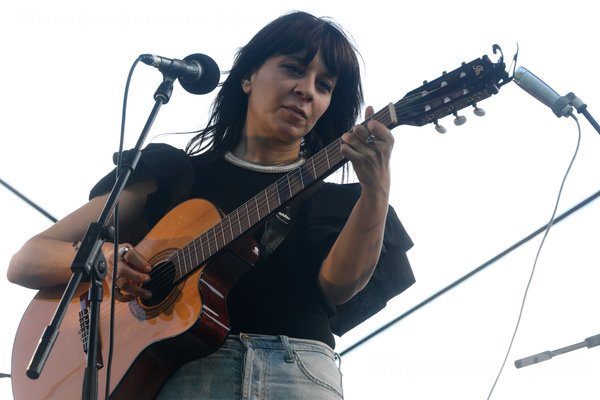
x: 31, y: 203
x: 111, y: 339
x: 470, y: 274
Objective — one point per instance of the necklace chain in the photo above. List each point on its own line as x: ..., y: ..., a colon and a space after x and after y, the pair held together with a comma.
x: 284, y: 167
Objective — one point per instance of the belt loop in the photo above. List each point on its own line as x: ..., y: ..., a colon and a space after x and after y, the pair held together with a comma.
x: 289, y: 353
x: 338, y: 360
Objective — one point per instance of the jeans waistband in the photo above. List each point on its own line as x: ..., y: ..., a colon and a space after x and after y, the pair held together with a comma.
x: 280, y: 342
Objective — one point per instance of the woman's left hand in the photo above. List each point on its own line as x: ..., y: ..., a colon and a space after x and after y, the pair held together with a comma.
x: 369, y: 148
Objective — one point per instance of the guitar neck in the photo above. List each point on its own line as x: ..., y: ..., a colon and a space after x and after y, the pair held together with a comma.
x: 465, y: 86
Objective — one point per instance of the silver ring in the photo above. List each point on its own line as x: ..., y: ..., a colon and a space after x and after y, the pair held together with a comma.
x: 371, y: 139
x: 123, y: 250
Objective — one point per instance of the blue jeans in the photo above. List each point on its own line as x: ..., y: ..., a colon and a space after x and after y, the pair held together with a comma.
x: 260, y: 367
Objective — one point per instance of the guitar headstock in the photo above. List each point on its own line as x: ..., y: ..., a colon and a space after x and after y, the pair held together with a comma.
x: 453, y: 91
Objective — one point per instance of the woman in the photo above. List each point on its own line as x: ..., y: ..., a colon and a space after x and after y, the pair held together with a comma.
x: 325, y: 262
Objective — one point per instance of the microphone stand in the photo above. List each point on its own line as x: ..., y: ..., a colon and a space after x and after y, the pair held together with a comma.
x: 89, y: 264
x: 590, y: 342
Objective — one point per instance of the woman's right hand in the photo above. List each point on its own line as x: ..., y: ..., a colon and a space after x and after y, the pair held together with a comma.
x: 132, y: 272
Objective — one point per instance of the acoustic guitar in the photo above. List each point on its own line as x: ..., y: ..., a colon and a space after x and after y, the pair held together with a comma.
x: 194, y: 267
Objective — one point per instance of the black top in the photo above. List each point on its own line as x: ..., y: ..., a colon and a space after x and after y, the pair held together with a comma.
x: 280, y: 294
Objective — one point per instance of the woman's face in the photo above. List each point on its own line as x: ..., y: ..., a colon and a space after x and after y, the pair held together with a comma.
x: 286, y: 97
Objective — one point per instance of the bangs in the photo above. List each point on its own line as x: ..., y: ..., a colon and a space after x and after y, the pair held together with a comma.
x: 319, y: 35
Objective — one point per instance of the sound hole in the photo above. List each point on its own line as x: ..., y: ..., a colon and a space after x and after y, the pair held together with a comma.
x: 161, y: 283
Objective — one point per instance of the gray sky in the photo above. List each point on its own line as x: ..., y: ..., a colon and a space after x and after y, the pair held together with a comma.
x: 464, y: 196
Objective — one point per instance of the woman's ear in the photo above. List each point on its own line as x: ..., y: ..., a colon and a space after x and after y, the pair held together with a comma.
x: 247, y: 85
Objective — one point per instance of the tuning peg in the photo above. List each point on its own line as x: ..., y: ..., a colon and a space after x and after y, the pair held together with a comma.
x: 459, y: 119
x: 480, y: 112
x: 439, y: 127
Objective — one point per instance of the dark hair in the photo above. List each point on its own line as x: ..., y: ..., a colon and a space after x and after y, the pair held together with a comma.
x: 288, y: 34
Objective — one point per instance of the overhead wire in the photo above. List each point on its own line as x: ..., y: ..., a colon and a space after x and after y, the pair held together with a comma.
x: 475, y: 271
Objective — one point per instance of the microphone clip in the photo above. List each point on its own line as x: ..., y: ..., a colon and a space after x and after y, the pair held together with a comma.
x: 563, y: 107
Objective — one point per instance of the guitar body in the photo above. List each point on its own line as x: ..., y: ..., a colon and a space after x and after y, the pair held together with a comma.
x: 150, y: 341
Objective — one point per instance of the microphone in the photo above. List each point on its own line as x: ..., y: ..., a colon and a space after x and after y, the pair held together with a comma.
x: 541, y: 91
x: 197, y: 73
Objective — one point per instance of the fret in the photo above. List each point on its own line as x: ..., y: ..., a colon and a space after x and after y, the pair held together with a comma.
x: 267, y: 201
x: 239, y: 222
x: 205, y: 245
x: 234, y: 220
x: 339, y: 156
x: 216, y: 240
x: 229, y: 229
x: 182, y: 264
x: 175, y: 263
x: 262, y: 201
x: 186, y: 258
x: 248, y: 215
x: 178, y: 264
x: 300, y: 173
x: 282, y: 191
x: 226, y: 229
x: 208, y: 241
x: 216, y: 236
x: 306, y: 175
x: 223, y: 232
x: 195, y: 253
x: 202, y: 249
x: 257, y: 207
x: 289, y: 185
x: 272, y: 199
x: 295, y: 182
x: 278, y: 196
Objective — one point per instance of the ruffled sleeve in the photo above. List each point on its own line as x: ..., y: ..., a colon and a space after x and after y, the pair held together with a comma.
x: 172, y: 170
x: 326, y: 215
